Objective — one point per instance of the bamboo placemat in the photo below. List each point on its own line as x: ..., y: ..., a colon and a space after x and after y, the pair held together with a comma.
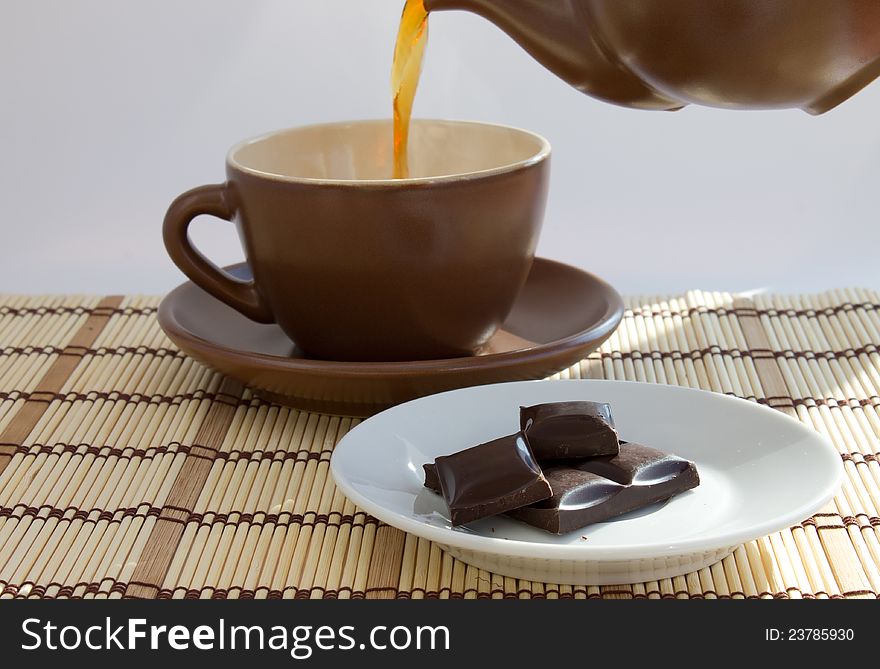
x: 129, y: 470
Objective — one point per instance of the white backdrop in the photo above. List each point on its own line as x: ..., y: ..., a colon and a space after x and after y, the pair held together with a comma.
x: 110, y: 108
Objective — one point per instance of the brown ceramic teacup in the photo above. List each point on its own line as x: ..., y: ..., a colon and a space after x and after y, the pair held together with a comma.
x: 353, y: 265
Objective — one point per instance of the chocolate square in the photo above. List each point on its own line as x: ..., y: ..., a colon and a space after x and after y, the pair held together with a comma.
x: 640, y: 465
x: 595, y: 490
x: 567, y: 430
x: 432, y: 479
x: 491, y: 478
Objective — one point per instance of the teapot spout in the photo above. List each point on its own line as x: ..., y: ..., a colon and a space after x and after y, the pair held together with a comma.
x: 845, y: 90
x: 554, y: 34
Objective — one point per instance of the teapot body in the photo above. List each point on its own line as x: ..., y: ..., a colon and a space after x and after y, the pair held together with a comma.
x: 653, y: 54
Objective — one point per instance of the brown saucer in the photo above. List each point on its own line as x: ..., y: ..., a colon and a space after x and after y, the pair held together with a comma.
x: 561, y: 315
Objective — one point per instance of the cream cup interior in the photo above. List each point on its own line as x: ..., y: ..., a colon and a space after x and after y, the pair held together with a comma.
x: 362, y: 151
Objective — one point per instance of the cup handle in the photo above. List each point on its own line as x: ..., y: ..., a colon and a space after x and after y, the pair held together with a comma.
x: 213, y: 200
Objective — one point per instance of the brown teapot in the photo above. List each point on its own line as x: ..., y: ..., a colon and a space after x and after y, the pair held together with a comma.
x: 665, y: 54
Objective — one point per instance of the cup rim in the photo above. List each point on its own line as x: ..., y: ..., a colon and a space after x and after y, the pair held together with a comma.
x: 539, y: 156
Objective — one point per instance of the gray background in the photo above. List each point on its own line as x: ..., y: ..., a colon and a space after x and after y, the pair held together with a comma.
x: 110, y: 109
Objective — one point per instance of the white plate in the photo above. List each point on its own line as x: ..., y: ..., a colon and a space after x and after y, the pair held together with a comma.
x: 760, y: 472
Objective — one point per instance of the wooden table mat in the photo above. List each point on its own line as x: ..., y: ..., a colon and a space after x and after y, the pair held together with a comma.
x: 130, y: 470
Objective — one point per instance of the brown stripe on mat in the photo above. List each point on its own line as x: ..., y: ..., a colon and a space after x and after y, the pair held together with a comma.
x: 260, y: 519
x: 776, y: 391
x: 131, y: 398
x: 162, y: 543
x: 335, y: 519
x: 6, y: 310
x: 383, y: 576
x: 83, y: 351
x: 29, y: 589
x: 590, y: 368
x: 201, y: 451
x: 647, y: 354
x: 739, y: 309
x: 641, y: 311
x: 54, y: 379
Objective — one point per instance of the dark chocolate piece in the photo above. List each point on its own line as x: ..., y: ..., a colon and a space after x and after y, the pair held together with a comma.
x: 491, y: 478
x: 591, y: 491
x: 637, y: 464
x: 432, y: 480
x: 564, y: 430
